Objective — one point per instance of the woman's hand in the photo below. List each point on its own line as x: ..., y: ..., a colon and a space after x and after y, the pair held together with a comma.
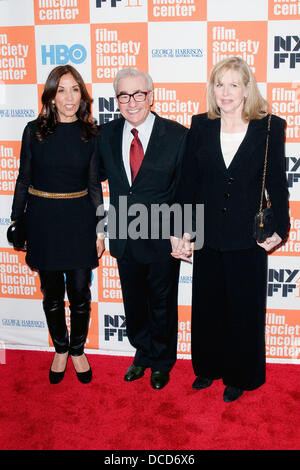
x: 271, y: 242
x: 182, y: 247
x: 100, y: 245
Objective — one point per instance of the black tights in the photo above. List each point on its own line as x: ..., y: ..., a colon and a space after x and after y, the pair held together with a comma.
x: 77, y: 283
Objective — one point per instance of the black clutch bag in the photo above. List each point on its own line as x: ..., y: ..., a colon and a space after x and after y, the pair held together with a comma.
x: 263, y: 225
x: 16, y: 233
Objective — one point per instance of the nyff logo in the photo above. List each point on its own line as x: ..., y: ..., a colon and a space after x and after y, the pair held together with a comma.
x: 108, y: 109
x: 283, y: 281
x: 291, y: 46
x: 292, y: 166
x: 114, y: 326
x: 113, y: 3
x: 60, y: 54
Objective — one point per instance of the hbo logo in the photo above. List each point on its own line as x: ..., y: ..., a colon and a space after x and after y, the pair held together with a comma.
x: 62, y: 54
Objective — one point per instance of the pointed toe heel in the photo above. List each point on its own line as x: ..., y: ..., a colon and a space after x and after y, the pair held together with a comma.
x: 56, y: 377
x: 86, y: 376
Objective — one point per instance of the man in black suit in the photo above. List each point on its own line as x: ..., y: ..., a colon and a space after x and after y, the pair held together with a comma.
x: 143, y: 169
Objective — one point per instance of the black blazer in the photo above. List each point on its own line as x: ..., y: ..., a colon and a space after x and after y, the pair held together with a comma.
x: 155, y: 183
x: 231, y: 196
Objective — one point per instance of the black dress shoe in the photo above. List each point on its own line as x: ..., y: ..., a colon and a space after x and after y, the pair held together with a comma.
x: 201, y: 382
x: 134, y: 373
x: 232, y: 393
x: 159, y: 379
x: 56, y: 377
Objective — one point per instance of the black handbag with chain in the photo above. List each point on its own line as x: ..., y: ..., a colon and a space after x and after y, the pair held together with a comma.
x: 263, y: 226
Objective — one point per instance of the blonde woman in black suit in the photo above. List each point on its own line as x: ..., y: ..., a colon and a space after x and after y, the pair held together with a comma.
x: 223, y: 169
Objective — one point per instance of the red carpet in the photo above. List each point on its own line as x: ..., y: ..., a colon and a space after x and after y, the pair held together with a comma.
x: 109, y: 414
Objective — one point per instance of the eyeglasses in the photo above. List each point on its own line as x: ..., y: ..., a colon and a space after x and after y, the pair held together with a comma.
x: 138, y: 96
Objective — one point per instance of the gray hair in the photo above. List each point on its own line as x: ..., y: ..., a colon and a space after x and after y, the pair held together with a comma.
x: 131, y: 72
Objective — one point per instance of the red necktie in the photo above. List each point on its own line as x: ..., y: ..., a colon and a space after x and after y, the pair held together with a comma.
x: 136, y: 154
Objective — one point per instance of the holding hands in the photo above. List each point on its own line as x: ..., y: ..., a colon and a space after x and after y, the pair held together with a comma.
x: 182, y: 247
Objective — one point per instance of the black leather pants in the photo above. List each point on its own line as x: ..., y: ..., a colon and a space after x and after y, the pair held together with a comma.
x: 77, y: 283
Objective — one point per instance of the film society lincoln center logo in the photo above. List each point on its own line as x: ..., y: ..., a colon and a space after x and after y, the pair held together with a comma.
x: 9, y: 166
x: 282, y: 334
x: 170, y: 10
x: 178, y: 102
x: 246, y: 39
x: 116, y: 46
x: 61, y: 11
x: 16, y: 278
x: 17, y: 55
x: 292, y: 246
x: 109, y: 285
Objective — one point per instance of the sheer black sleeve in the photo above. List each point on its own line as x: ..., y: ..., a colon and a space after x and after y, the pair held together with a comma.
x: 94, y: 183
x: 24, y: 177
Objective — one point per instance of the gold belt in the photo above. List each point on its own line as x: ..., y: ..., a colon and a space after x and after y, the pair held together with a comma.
x: 36, y: 192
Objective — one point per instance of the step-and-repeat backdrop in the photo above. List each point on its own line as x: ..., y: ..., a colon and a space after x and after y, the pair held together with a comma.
x: 177, y: 42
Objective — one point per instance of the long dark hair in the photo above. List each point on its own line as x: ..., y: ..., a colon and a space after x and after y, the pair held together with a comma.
x: 48, y: 118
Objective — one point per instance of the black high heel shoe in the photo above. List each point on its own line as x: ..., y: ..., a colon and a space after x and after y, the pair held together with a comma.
x: 56, y: 377
x: 84, y: 377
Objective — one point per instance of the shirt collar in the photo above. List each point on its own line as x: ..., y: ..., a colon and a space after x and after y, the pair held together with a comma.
x: 148, y: 123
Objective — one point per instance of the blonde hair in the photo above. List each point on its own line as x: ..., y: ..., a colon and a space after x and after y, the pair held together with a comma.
x: 255, y: 106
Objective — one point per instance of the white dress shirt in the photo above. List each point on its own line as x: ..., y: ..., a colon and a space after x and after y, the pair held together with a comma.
x: 145, y: 130
x: 230, y: 144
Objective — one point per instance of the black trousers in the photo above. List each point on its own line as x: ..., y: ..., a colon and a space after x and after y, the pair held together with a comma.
x: 53, y: 284
x: 150, y: 302
x: 228, y: 316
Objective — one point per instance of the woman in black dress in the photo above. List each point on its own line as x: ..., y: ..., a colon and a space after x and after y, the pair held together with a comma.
x: 59, y: 188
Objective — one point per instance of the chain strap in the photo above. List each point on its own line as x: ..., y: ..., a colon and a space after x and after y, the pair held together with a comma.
x: 264, y: 173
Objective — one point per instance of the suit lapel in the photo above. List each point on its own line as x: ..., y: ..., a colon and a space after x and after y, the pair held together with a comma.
x: 255, y: 133
x: 116, y: 146
x: 214, y: 144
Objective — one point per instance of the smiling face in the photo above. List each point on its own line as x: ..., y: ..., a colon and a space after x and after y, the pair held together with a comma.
x: 67, y: 98
x: 230, y: 92
x: 134, y: 112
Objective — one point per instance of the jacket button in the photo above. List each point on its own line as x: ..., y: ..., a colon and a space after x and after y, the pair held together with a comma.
x: 226, y: 195
x: 230, y: 180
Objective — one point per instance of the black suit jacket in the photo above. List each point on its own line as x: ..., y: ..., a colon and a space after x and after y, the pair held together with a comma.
x: 155, y: 183
x: 231, y: 196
